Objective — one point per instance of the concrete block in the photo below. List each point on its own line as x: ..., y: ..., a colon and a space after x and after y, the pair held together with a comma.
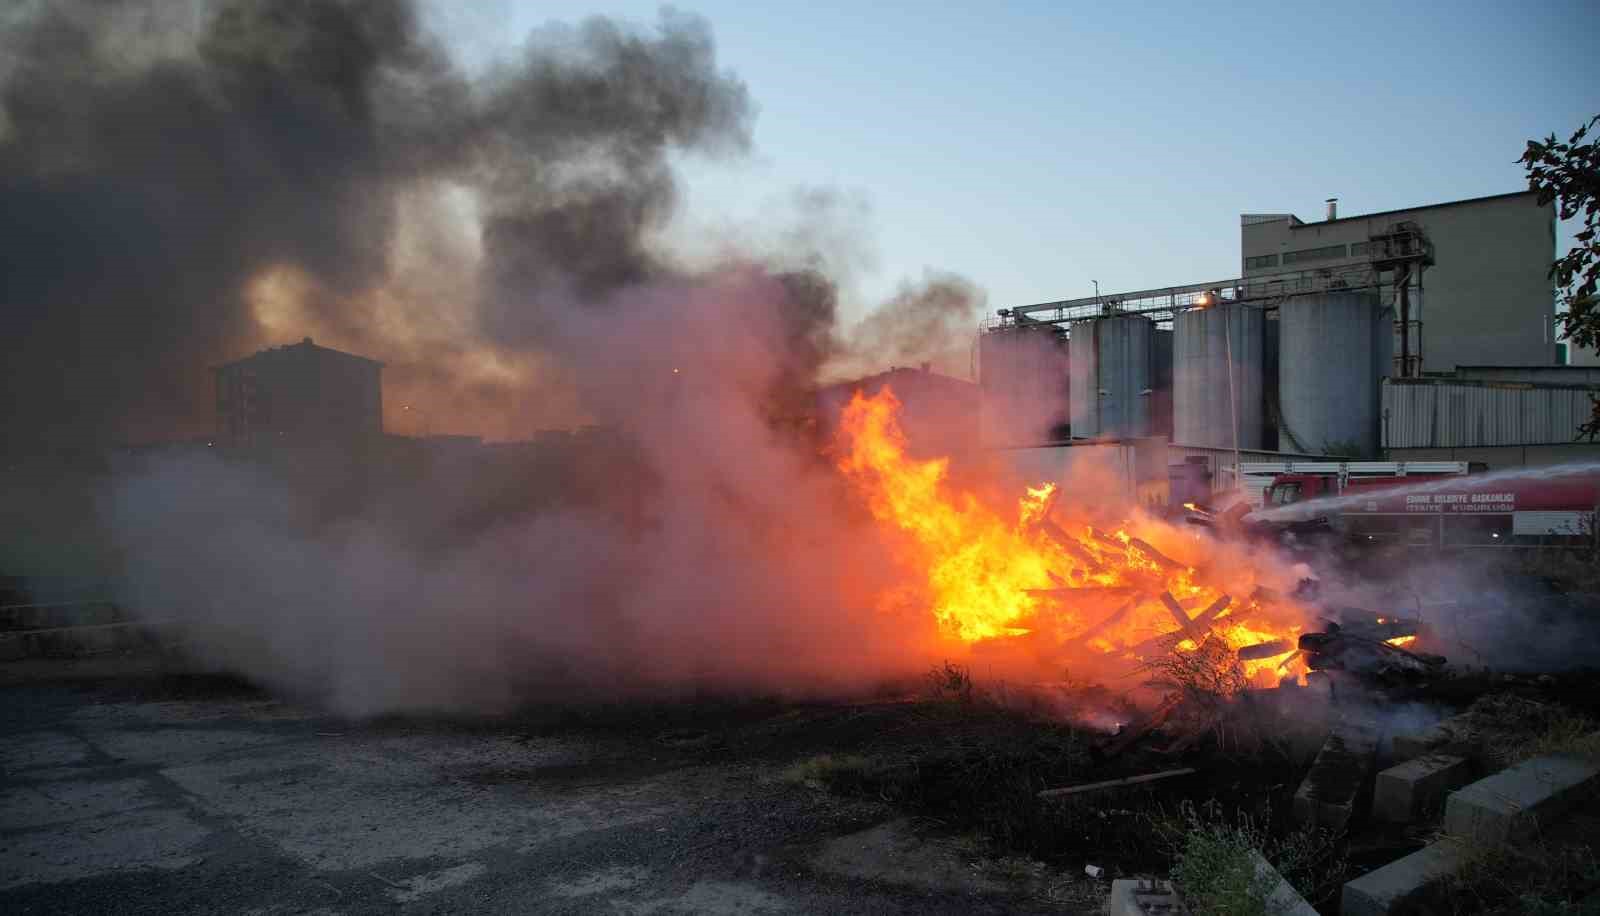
x: 1283, y: 900
x: 1511, y: 804
x: 1327, y: 797
x: 1407, y: 791
x: 1144, y: 897
x: 1385, y: 890
x: 1455, y: 736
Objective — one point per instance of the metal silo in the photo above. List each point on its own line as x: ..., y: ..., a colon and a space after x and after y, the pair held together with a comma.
x: 1328, y: 373
x: 1205, y: 342
x: 1023, y: 375
x: 1083, y: 375
x: 1111, y: 376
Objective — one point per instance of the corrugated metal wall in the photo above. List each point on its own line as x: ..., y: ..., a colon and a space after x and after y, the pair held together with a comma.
x: 1455, y: 415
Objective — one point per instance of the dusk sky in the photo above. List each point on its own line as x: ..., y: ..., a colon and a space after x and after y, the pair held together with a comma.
x: 1035, y: 147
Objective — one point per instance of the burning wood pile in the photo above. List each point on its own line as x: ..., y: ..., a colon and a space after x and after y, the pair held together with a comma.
x: 1111, y: 596
x: 1103, y: 593
x: 1370, y: 646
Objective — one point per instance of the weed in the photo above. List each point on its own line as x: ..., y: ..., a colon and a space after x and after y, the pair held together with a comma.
x: 1209, y: 679
x: 1216, y: 874
x: 1208, y: 848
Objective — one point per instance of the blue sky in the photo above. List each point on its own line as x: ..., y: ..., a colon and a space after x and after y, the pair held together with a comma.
x: 1034, y: 147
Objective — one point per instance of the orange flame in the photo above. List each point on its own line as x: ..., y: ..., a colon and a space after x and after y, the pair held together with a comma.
x: 1049, y: 575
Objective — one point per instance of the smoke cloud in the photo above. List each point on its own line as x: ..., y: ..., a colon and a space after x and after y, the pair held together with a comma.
x: 932, y: 321
x: 694, y: 551
x: 183, y: 184
x: 179, y: 187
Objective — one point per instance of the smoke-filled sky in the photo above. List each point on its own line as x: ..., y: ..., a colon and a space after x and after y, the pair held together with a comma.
x: 183, y: 183
x: 1036, y: 146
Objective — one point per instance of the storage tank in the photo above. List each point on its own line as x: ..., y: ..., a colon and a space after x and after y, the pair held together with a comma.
x: 1328, y: 373
x: 1111, y: 376
x: 1083, y: 381
x: 1023, y: 374
x: 1202, y: 341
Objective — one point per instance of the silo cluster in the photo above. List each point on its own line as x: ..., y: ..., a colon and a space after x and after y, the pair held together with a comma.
x: 1295, y: 374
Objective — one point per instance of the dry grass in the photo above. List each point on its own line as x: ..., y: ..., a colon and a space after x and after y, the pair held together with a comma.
x: 1514, y: 729
x: 1536, y: 880
x: 952, y: 681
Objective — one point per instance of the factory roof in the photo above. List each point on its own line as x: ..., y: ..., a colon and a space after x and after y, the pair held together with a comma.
x: 1297, y: 223
x: 305, y: 345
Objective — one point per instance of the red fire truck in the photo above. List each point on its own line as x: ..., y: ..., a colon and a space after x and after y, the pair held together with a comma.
x: 1428, y: 504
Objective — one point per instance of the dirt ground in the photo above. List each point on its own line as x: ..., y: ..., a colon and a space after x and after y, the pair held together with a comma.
x: 136, y: 791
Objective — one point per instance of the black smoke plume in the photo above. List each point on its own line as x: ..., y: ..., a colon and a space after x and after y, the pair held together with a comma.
x: 157, y: 159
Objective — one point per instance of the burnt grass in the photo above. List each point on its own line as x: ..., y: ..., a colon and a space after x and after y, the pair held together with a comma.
x: 963, y: 763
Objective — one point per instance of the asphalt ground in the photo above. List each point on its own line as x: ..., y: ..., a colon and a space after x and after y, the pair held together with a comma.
x: 141, y: 793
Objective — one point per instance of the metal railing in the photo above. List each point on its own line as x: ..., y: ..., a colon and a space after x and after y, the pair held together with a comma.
x: 1163, y: 302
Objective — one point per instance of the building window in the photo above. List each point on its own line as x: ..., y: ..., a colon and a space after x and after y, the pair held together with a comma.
x: 1266, y: 260
x: 1360, y: 249
x: 1313, y: 254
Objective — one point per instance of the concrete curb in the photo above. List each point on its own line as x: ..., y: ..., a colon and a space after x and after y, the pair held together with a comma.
x: 1487, y: 814
x: 1328, y: 796
x: 1509, y: 805
x: 1379, y: 892
x: 1456, y: 736
x: 1407, y: 791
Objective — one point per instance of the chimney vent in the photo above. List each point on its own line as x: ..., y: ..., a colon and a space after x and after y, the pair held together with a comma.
x: 1333, y: 208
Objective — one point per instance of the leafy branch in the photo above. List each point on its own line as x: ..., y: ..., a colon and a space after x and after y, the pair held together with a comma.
x: 1569, y: 173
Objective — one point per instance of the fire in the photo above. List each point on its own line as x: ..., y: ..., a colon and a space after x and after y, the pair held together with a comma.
x: 978, y: 567
x: 1401, y: 640
x: 1048, y: 573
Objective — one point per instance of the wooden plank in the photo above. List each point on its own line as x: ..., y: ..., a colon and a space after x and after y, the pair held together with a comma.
x: 1081, y: 591
x: 1072, y: 547
x: 1116, y: 783
x: 1271, y: 649
x: 1132, y: 736
x: 1203, y: 622
x: 1100, y: 627
x: 1160, y: 559
x: 1178, y: 614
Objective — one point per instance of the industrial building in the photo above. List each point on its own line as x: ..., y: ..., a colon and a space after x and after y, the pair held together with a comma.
x: 299, y: 395
x: 1355, y: 337
x: 1488, y: 296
